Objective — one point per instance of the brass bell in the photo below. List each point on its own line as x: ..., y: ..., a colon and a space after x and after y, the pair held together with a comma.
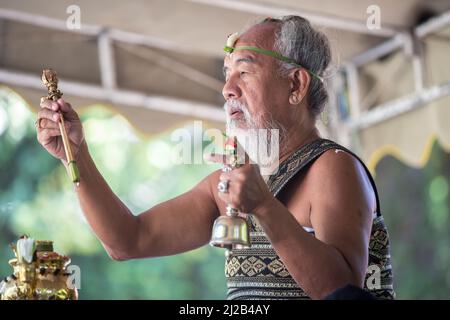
x: 230, y: 231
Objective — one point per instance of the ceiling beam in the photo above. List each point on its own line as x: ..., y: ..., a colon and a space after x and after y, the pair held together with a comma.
x: 94, y: 30
x: 402, y: 40
x: 399, y: 106
x: 177, y: 67
x: 105, y: 39
x: 121, y: 97
x: 378, y: 51
x: 47, y: 22
x: 106, y: 61
x: 266, y: 9
x: 433, y: 25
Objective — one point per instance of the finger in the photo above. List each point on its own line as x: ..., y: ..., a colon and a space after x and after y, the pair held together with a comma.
x: 65, y: 106
x: 229, y: 200
x: 46, y: 135
x: 49, y: 104
x: 67, y: 110
x: 225, y: 197
x: 46, y: 113
x: 225, y: 176
x: 47, y: 124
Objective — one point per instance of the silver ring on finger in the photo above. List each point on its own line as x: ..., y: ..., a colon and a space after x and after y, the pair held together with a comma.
x: 222, y: 186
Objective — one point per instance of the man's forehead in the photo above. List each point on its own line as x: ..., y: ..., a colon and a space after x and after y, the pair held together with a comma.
x: 260, y: 36
x: 241, y: 55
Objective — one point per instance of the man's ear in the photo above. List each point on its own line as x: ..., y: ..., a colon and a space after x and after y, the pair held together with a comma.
x: 300, y: 80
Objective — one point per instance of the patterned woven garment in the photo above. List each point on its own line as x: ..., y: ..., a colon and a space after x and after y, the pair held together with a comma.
x: 258, y: 272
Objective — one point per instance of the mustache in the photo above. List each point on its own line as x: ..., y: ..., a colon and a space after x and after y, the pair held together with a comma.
x: 262, y: 122
x: 235, y: 104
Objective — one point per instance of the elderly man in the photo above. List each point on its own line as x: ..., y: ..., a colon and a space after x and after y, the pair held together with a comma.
x: 315, y: 225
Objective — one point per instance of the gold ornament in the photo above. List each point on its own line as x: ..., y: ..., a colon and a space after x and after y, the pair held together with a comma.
x: 45, y: 277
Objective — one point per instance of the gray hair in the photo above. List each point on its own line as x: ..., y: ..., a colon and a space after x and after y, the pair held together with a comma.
x: 310, y: 48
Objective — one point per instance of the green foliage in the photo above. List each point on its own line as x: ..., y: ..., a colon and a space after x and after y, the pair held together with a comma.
x: 415, y: 204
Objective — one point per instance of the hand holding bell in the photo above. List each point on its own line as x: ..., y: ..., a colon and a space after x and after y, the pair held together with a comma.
x: 230, y: 231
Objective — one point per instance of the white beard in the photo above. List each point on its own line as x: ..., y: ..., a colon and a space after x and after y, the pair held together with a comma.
x: 260, y: 142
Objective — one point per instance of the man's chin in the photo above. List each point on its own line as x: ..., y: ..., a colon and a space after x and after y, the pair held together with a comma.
x: 239, y: 125
x: 239, y: 131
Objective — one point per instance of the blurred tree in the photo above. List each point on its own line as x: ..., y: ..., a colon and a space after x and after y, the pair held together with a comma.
x: 415, y: 204
x: 37, y: 198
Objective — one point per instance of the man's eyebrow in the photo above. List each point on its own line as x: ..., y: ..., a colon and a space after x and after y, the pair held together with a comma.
x: 246, y: 59
x: 240, y: 60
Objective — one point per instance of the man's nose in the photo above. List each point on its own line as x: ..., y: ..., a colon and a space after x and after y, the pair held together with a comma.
x: 231, y: 90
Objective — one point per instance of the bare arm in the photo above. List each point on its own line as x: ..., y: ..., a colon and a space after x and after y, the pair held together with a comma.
x: 180, y: 224
x: 177, y: 225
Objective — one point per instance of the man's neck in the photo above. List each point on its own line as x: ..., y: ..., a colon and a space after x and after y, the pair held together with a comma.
x: 298, y: 139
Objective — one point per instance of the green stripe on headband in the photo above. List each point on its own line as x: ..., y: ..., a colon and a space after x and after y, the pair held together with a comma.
x: 273, y: 54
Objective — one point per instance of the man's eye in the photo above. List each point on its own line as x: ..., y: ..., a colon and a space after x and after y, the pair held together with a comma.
x: 243, y: 72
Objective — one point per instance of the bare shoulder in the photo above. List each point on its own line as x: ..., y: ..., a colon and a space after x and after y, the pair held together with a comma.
x: 337, y: 176
x: 335, y: 160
